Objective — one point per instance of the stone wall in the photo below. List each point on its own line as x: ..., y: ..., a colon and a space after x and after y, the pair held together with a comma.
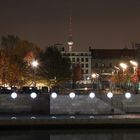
x: 24, y: 104
x: 63, y: 104
x: 101, y: 104
x: 81, y: 104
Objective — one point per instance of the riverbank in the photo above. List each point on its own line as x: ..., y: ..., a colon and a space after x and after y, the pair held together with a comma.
x: 65, y: 121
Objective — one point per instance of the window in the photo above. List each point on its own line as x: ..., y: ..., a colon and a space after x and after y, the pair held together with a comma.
x: 86, y: 59
x: 82, y: 59
x: 82, y: 65
x: 86, y: 65
x: 86, y: 71
x: 73, y: 59
x: 77, y: 59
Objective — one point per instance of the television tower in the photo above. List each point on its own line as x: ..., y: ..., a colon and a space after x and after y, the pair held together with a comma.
x: 70, y: 39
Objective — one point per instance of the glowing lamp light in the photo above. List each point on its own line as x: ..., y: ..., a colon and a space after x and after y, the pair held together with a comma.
x: 72, y: 117
x: 14, y: 95
x: 123, y: 66
x: 92, y: 95
x: 9, y: 88
x: 88, y: 78
x: 13, y: 118
x: 86, y: 88
x: 127, y: 95
x: 54, y: 95
x: 33, y: 95
x: 34, y: 63
x: 134, y: 63
x: 32, y: 117
x: 109, y: 95
x: 53, y: 117
x: 91, y: 117
x: 72, y: 95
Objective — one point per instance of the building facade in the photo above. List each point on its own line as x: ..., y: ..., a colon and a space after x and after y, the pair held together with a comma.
x: 106, y: 62
x: 83, y: 59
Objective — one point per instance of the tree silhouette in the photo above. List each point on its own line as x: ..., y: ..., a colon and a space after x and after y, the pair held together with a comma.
x: 54, y: 67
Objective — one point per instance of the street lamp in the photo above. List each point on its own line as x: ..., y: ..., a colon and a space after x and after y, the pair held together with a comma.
x: 134, y: 64
x: 117, y: 69
x: 127, y: 95
x: 123, y: 66
x: 54, y: 95
x: 110, y: 95
x: 33, y: 95
x: 14, y: 95
x: 95, y: 77
x: 92, y: 95
x: 34, y: 65
x: 72, y: 95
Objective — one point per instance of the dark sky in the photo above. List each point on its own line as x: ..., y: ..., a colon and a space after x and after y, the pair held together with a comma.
x: 96, y: 23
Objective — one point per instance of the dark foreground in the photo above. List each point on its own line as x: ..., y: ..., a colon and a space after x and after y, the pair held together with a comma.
x: 65, y: 121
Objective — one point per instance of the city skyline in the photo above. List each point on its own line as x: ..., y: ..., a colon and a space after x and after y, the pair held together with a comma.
x: 99, y: 24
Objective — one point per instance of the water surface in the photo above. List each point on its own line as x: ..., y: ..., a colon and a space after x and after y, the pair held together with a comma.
x: 73, y: 134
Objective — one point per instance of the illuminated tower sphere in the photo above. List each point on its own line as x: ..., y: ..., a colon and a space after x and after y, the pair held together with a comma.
x: 70, y: 43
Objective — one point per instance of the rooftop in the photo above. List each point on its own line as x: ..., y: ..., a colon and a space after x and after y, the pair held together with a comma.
x: 113, y: 53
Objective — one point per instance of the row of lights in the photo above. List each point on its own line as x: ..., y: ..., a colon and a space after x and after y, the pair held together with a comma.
x: 92, y: 95
x: 14, y: 95
x: 72, y: 95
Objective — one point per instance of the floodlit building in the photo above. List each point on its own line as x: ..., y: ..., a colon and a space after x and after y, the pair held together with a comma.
x: 83, y: 59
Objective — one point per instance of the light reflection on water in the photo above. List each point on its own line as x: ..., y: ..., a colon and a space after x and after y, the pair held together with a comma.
x: 84, y: 134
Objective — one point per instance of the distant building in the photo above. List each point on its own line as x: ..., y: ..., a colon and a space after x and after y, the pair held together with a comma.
x: 106, y: 61
x: 83, y: 59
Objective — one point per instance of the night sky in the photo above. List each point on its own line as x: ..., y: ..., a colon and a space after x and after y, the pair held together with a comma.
x: 96, y: 23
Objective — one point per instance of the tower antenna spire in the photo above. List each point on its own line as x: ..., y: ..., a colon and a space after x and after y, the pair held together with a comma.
x: 70, y: 38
